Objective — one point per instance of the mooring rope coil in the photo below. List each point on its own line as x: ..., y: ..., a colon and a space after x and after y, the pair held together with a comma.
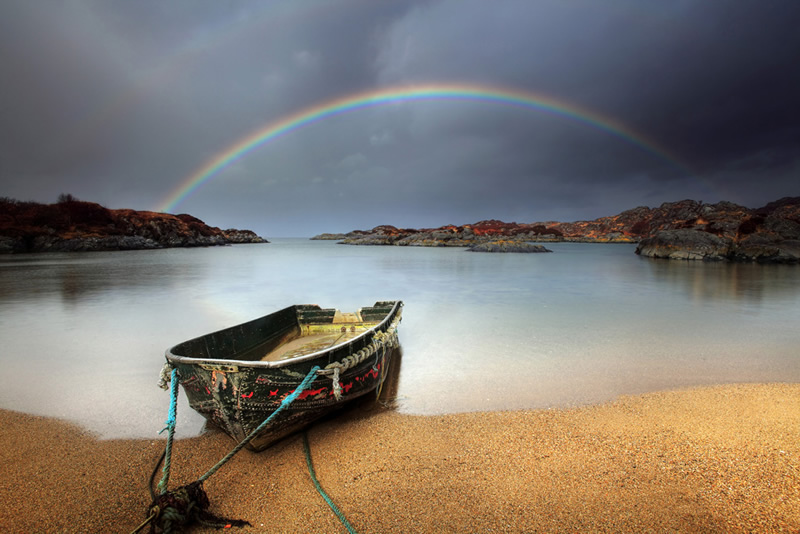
x: 175, y: 508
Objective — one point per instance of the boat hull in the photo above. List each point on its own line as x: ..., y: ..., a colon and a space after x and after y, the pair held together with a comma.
x: 238, y: 394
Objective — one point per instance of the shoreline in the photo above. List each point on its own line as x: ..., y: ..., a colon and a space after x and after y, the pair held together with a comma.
x: 719, y: 459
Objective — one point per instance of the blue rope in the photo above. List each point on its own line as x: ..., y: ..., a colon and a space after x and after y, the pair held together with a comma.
x: 190, y: 502
x: 312, y: 374
x: 339, y: 514
x: 170, y: 428
x: 173, y: 402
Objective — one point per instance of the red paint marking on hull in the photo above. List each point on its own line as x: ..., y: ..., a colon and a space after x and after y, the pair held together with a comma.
x: 310, y: 393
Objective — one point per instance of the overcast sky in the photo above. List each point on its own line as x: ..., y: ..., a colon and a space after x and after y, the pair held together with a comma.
x: 119, y: 102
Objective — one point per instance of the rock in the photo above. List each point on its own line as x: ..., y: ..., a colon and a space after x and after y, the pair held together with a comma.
x: 507, y: 246
x: 329, y: 237
x: 764, y: 249
x: 369, y: 240
x: 785, y: 227
x: 687, y: 229
x: 91, y: 244
x: 242, y: 236
x: 77, y: 226
x: 685, y: 245
x: 697, y: 245
x: 10, y: 244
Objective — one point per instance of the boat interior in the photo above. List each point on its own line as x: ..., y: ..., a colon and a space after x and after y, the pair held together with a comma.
x: 290, y: 333
x: 314, y: 337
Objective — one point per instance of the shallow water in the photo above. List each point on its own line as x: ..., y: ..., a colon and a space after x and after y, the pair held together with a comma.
x: 83, y: 335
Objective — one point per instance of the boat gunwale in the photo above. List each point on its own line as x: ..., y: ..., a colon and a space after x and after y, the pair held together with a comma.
x: 175, y: 358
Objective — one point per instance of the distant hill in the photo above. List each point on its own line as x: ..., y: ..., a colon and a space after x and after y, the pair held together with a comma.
x: 72, y: 225
x: 677, y: 230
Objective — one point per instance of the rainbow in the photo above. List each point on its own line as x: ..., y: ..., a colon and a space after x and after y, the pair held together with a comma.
x: 437, y: 91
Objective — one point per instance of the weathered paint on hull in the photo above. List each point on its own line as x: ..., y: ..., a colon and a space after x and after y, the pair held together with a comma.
x: 238, y: 396
x: 239, y: 400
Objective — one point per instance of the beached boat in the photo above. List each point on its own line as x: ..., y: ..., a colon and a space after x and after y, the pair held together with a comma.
x: 237, y: 377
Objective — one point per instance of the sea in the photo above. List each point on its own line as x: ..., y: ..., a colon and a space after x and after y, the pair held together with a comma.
x: 83, y: 335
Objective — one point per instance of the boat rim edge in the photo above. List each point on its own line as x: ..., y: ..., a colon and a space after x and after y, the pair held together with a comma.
x: 174, y: 358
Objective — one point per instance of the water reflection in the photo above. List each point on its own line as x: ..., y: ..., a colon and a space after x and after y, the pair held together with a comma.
x: 78, y: 276
x: 388, y: 394
x: 480, y: 331
x: 751, y: 282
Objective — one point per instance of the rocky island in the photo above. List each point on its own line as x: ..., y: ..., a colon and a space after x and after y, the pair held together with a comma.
x: 72, y: 225
x: 505, y: 245
x: 688, y: 229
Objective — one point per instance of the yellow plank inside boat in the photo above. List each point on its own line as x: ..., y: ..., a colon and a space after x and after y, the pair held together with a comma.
x: 317, y: 337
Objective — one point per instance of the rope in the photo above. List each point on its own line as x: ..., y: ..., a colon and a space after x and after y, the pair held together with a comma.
x: 384, y: 372
x: 381, y: 340
x: 170, y: 428
x: 170, y: 510
x: 163, y: 377
x: 153, y: 475
x: 284, y: 404
x: 339, y: 514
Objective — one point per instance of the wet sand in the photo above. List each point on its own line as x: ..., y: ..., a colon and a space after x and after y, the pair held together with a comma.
x: 719, y: 459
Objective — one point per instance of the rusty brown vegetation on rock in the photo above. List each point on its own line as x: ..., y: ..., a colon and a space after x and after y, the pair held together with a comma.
x: 673, y: 230
x: 75, y: 225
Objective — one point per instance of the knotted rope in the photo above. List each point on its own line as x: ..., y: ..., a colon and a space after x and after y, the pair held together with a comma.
x: 171, y: 510
x: 381, y: 340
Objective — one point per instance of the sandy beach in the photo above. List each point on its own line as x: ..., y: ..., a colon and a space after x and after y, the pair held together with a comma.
x: 717, y: 459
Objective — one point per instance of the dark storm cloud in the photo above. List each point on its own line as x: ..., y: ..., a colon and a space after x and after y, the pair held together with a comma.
x: 120, y: 102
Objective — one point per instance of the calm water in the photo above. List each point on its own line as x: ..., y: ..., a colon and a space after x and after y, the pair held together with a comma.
x: 83, y: 335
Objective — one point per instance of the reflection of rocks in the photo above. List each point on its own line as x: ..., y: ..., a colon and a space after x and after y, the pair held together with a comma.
x: 77, y: 226
x: 727, y: 281
x: 507, y: 246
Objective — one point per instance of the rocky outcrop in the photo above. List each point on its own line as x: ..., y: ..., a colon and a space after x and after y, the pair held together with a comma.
x: 507, y: 246
x: 451, y: 235
x: 632, y: 226
x: 698, y: 245
x: 78, y: 226
x: 685, y: 245
x: 687, y: 229
x: 240, y: 237
x: 762, y: 249
x: 329, y: 237
x: 770, y: 234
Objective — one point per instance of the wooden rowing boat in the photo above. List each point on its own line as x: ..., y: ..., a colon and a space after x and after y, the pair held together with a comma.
x: 238, y: 376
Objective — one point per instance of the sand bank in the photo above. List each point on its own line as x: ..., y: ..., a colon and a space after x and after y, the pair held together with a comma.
x: 720, y: 459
